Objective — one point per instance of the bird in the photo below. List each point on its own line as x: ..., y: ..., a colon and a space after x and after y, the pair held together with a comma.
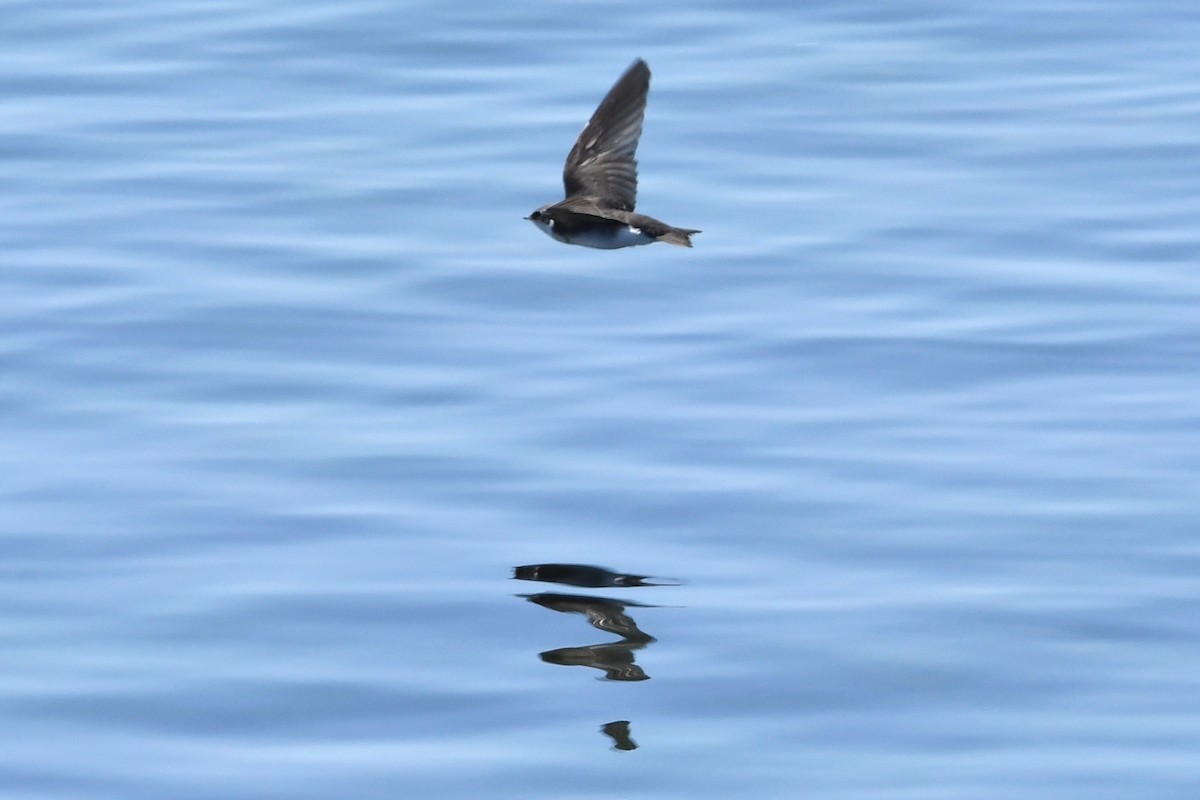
x: 600, y: 177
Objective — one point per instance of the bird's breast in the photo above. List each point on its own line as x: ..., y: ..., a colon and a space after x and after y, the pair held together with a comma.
x: 602, y: 237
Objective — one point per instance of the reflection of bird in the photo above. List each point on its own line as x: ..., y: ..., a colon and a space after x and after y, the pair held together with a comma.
x: 607, y: 615
x: 619, y: 731
x: 600, y: 177
x: 585, y: 575
x: 615, y: 659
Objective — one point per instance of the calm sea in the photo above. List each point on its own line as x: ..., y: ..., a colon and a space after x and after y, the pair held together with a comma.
x: 288, y: 388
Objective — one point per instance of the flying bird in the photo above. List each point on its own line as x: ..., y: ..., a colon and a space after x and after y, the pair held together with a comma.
x: 600, y: 177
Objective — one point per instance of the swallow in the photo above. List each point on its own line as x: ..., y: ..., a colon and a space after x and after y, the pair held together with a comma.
x: 600, y: 177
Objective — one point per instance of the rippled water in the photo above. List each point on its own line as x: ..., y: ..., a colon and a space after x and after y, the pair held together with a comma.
x: 289, y: 388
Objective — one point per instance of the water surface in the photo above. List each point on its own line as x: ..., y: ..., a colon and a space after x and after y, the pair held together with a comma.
x: 289, y: 388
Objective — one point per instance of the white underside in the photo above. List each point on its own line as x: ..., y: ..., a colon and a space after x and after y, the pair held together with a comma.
x: 626, y: 236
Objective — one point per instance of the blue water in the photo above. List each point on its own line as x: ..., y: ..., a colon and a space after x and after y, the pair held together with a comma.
x: 288, y: 388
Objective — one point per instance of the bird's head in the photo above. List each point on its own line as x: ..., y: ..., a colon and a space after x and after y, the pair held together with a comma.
x: 543, y: 220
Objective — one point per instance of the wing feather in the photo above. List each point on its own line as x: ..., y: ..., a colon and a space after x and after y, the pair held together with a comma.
x: 603, y: 163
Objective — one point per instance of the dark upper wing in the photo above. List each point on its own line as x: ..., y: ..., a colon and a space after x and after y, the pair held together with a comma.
x: 602, y: 163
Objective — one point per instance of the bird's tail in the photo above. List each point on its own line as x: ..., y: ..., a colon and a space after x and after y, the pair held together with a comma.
x: 679, y: 236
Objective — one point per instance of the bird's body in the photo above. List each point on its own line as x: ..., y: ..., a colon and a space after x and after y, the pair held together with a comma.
x: 600, y: 177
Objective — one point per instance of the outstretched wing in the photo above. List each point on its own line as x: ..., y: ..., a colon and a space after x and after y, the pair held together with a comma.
x: 602, y: 163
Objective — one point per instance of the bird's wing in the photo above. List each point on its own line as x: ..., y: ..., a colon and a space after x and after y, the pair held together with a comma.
x: 602, y: 163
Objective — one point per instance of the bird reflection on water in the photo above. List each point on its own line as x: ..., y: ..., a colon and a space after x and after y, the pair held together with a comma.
x: 602, y: 613
x: 586, y: 576
x: 615, y: 659
x: 619, y: 731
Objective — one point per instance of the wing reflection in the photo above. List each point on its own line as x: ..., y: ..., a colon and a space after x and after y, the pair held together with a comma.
x: 614, y: 659
x: 619, y: 731
x: 607, y: 615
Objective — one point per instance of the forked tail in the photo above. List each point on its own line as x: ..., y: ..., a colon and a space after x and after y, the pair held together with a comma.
x: 679, y: 236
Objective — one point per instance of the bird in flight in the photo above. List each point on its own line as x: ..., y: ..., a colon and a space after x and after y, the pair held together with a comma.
x: 600, y: 177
